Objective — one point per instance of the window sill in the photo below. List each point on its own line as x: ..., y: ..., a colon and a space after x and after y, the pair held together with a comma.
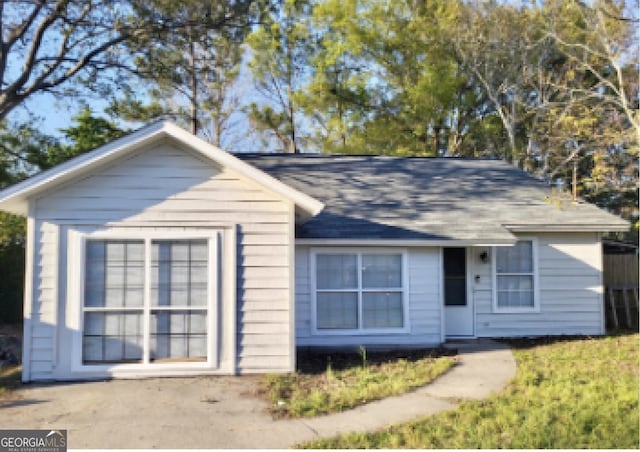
x: 534, y: 310
x: 141, y: 368
x: 369, y: 332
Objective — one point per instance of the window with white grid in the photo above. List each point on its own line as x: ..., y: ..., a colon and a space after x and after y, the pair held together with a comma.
x: 145, y: 300
x: 515, y: 276
x: 359, y: 291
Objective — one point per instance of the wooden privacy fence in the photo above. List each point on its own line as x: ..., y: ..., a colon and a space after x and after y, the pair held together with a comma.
x: 621, y: 290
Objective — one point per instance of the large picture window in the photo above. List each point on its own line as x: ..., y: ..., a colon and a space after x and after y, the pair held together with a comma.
x: 515, y: 276
x: 145, y: 300
x: 359, y: 291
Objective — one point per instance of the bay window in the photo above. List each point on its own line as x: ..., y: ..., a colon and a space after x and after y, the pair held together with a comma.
x: 359, y: 291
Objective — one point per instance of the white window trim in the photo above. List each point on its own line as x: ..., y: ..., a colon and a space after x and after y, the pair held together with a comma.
x: 360, y: 331
x: 77, y: 258
x: 536, y: 285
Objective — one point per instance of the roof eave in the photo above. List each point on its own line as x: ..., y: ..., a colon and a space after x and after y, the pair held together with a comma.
x: 404, y: 242
x: 621, y: 226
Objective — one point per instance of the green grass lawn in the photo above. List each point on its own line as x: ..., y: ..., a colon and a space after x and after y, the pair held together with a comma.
x: 330, y: 383
x: 9, y: 379
x: 567, y: 394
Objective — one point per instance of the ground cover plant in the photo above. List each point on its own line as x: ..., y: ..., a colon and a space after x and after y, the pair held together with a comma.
x: 332, y: 382
x: 9, y: 379
x: 567, y: 394
x: 10, y: 346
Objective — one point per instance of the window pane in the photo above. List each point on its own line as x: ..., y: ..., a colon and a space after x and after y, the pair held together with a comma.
x: 515, y: 291
x: 455, y: 261
x: 178, y: 335
x: 515, y: 283
x: 381, y: 270
x: 515, y: 299
x: 179, y: 273
x: 94, y: 276
x: 455, y: 291
x: 382, y: 310
x: 337, y: 271
x: 114, y: 275
x: 337, y: 310
x: 455, y: 276
x: 112, y: 337
x: 515, y: 259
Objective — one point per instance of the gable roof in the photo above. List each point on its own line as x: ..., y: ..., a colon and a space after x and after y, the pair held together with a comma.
x: 468, y: 200
x: 14, y: 199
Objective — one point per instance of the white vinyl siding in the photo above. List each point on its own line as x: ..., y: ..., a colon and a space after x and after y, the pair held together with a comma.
x: 570, y: 290
x: 44, y: 308
x: 166, y: 185
x: 423, y: 310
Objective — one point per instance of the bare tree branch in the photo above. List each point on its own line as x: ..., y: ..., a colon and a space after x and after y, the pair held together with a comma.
x: 58, y: 40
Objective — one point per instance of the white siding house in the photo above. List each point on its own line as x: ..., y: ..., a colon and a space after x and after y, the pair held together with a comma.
x: 421, y: 302
x: 161, y: 196
x: 159, y: 254
x: 569, y: 291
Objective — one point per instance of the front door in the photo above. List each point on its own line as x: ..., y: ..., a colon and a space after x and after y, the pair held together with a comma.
x: 458, y: 310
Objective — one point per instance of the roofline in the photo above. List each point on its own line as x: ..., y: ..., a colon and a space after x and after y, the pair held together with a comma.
x: 403, y: 242
x: 623, y: 226
x: 321, y: 155
x: 14, y: 199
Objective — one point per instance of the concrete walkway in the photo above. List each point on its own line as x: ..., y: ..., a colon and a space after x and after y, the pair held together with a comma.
x: 484, y: 367
x: 218, y: 413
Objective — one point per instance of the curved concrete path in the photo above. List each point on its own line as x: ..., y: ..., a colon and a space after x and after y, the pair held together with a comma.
x: 217, y: 413
x: 484, y: 367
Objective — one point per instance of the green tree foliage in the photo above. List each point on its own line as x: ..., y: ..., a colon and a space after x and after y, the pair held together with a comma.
x: 191, y: 71
x: 21, y: 151
x: 384, y: 82
x: 20, y: 155
x: 88, y: 132
x: 280, y: 49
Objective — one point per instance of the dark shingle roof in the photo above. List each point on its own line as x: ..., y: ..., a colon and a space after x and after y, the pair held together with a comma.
x: 424, y: 198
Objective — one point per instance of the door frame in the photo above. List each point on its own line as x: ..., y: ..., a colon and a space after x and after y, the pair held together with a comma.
x: 470, y: 301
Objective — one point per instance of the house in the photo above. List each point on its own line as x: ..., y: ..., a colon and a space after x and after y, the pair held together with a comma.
x: 159, y: 254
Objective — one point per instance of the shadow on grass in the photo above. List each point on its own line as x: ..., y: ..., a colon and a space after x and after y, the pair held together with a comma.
x: 531, y: 342
x: 316, y: 361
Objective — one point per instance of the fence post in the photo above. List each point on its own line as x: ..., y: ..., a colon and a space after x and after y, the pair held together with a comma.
x: 612, y: 301
x: 627, y: 310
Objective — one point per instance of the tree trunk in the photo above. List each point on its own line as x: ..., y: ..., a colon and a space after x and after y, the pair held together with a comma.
x: 194, y: 88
